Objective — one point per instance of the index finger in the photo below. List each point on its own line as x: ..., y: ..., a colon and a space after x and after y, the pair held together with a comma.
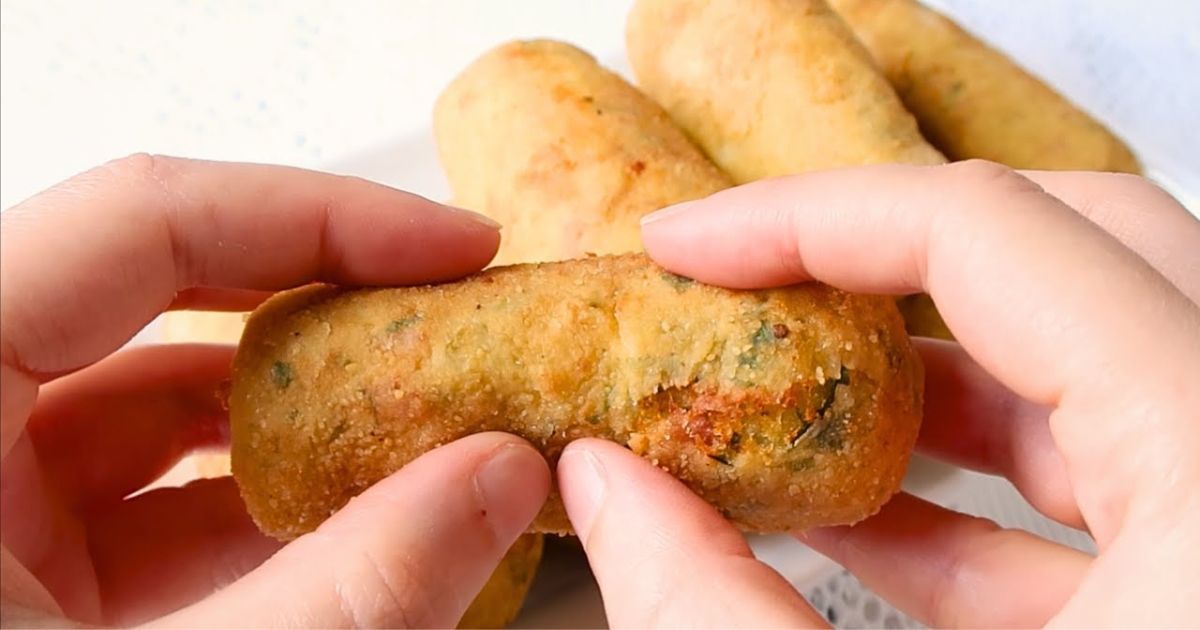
x: 88, y: 263
x: 1056, y: 308
x: 113, y: 246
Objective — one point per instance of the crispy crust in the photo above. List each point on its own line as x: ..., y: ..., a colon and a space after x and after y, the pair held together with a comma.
x: 504, y: 593
x: 775, y: 87
x: 972, y: 100
x: 565, y: 154
x: 784, y: 408
x: 770, y: 87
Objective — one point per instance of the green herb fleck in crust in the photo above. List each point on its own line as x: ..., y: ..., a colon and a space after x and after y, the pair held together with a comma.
x: 679, y: 282
x: 396, y: 325
x: 281, y: 374
x: 764, y: 334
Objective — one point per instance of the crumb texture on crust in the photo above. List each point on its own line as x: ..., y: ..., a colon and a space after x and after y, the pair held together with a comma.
x: 784, y: 408
x: 504, y: 593
x: 972, y: 101
x: 564, y: 153
x: 776, y: 87
x: 770, y: 87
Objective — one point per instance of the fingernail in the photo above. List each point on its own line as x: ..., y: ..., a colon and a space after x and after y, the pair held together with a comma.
x: 583, y: 484
x: 505, y: 489
x: 667, y: 212
x: 475, y: 216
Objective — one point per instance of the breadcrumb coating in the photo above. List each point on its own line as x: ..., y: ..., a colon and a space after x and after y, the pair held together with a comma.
x: 784, y: 408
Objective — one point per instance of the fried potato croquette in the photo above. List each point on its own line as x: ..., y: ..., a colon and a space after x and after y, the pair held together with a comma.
x: 565, y: 154
x: 770, y: 87
x: 972, y: 101
x: 501, y: 598
x: 776, y: 87
x: 784, y: 408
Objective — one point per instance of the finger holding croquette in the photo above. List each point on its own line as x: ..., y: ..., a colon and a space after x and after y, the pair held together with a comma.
x: 784, y: 408
x: 776, y: 87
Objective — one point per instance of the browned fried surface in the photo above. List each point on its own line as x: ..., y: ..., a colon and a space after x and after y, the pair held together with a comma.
x: 770, y: 87
x: 785, y: 408
x: 503, y: 594
x: 775, y: 87
x: 972, y: 100
x: 565, y: 154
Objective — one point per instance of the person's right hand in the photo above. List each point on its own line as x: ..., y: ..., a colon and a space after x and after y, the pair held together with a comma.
x: 1074, y: 297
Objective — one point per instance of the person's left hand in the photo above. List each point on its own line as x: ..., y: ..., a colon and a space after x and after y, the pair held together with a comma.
x: 87, y: 264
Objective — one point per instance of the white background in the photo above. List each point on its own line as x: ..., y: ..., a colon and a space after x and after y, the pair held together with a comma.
x: 307, y: 82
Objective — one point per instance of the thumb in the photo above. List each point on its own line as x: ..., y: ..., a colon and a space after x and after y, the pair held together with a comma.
x: 413, y: 550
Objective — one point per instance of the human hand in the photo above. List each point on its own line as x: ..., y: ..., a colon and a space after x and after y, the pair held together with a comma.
x: 88, y: 263
x: 1074, y: 297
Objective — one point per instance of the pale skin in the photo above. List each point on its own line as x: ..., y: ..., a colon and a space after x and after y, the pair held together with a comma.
x: 1074, y: 297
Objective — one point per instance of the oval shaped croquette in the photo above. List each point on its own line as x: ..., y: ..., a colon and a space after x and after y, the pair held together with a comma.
x: 784, y: 408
